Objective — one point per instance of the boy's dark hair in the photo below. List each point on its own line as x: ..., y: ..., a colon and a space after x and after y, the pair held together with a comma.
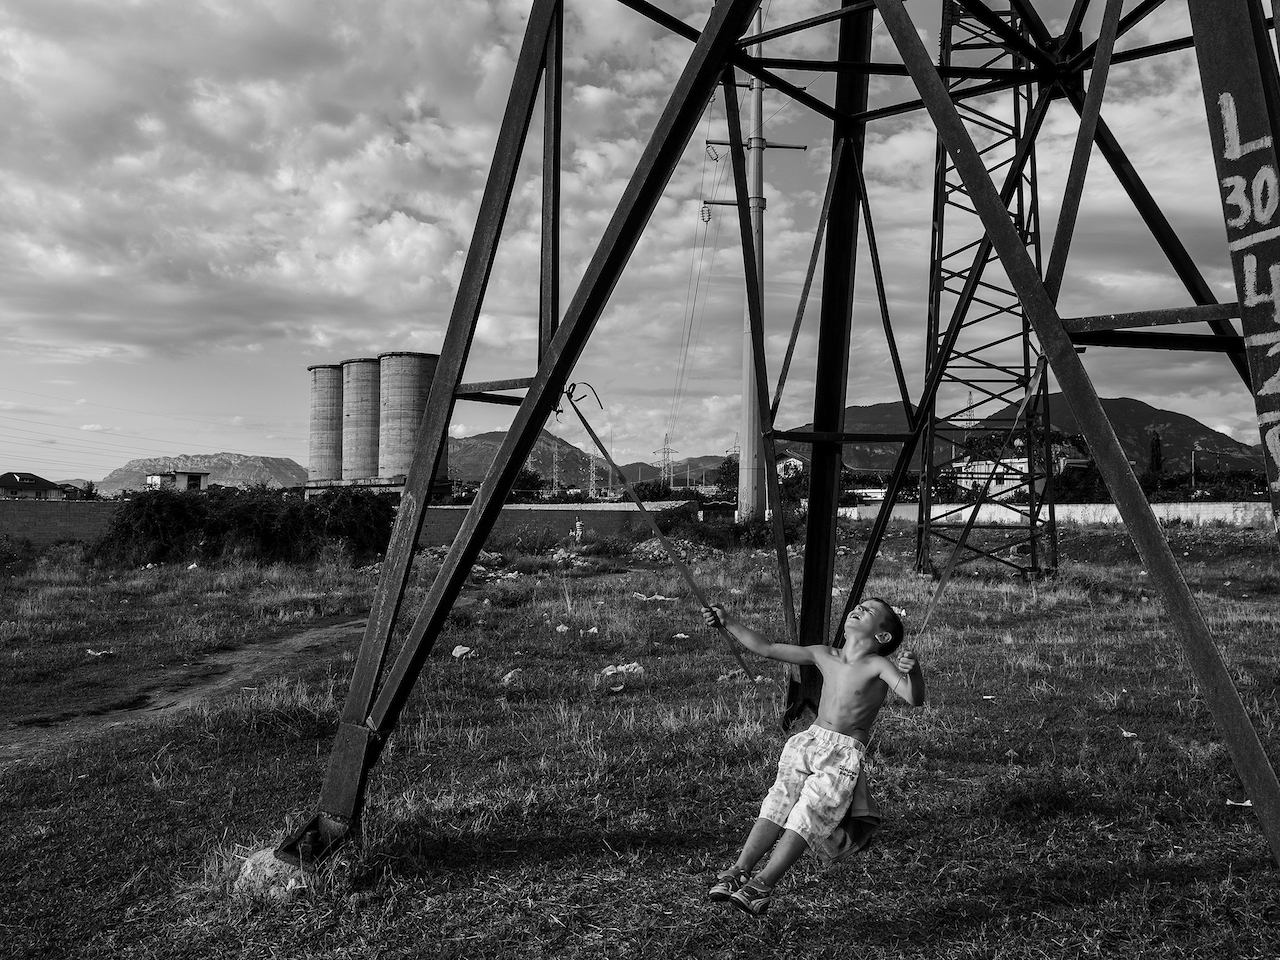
x: 891, y: 622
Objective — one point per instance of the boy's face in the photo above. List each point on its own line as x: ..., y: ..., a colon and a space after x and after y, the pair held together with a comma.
x: 865, y: 620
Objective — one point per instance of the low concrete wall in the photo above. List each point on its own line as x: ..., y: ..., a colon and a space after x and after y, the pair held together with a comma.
x: 1247, y: 514
x: 598, y: 519
x: 44, y: 522
x: 1244, y: 514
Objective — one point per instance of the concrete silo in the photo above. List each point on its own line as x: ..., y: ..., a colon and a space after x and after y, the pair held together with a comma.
x: 406, y: 381
x: 324, y: 453
x: 360, y: 387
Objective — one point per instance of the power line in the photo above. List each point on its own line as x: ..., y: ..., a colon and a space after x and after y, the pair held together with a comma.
x: 70, y: 466
x: 691, y: 332
x: 77, y: 442
x: 103, y: 406
x: 134, y: 436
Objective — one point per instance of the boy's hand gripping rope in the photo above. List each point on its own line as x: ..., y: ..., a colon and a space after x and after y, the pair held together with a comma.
x: 672, y: 553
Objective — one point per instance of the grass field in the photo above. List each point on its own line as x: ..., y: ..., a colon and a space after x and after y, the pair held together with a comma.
x: 1063, y: 793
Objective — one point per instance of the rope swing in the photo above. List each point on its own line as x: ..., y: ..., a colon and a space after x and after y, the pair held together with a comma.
x: 672, y: 553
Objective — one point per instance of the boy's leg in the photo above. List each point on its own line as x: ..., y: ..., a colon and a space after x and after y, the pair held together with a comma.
x: 758, y: 843
x: 789, y: 849
x: 764, y: 834
x: 756, y: 894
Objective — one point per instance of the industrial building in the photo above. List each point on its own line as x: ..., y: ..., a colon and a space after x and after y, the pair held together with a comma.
x: 364, y: 419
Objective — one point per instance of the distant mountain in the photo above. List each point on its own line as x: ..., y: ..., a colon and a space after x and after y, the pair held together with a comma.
x: 1134, y: 421
x: 874, y: 418
x: 471, y: 457
x: 689, y: 471
x: 224, y: 469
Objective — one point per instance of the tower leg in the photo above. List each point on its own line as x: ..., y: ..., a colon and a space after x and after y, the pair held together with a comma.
x: 1251, y: 761
x: 372, y: 711
x: 832, y: 365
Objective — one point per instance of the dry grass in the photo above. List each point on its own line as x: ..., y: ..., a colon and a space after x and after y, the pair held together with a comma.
x: 1063, y: 793
x: 75, y: 638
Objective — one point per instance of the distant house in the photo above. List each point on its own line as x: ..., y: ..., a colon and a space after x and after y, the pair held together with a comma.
x: 869, y: 494
x: 1005, y: 475
x: 179, y: 480
x: 27, y: 486
x: 789, y: 464
x: 70, y: 491
x: 1063, y: 464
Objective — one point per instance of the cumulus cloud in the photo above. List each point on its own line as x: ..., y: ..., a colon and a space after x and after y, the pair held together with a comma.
x: 241, y: 183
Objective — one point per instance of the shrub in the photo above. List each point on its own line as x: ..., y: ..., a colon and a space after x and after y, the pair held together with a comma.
x: 529, y: 539
x: 271, y: 526
x: 357, y: 518
x: 720, y: 534
x: 15, y: 554
x: 615, y: 545
x: 759, y: 533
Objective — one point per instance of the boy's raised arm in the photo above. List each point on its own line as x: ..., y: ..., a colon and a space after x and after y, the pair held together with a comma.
x: 905, y: 678
x: 716, y: 616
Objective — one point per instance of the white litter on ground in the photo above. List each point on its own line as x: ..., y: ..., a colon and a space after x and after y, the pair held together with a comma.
x: 620, y: 671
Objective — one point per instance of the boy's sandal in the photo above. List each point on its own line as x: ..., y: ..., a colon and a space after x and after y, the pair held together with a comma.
x: 727, y: 884
x: 752, y: 898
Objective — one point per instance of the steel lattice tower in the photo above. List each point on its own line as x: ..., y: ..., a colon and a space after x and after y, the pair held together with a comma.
x: 982, y: 310
x: 995, y: 355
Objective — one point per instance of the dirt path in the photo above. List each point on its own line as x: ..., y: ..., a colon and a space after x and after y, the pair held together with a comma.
x: 216, y: 676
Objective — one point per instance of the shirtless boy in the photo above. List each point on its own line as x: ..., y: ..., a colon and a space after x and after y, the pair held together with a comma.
x: 820, y: 772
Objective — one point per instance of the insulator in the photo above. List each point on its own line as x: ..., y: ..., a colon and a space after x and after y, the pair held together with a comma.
x: 705, y: 213
x: 712, y: 153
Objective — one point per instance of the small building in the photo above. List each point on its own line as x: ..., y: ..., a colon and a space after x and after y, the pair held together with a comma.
x: 17, y: 485
x: 869, y: 494
x: 179, y: 480
x: 718, y: 510
x: 1006, y: 475
x: 71, y: 492
x: 1063, y: 464
x: 789, y: 464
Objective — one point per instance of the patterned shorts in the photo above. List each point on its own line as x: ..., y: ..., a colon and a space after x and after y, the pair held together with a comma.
x: 817, y: 774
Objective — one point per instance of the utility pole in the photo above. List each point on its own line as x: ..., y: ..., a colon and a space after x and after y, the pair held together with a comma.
x: 751, y: 466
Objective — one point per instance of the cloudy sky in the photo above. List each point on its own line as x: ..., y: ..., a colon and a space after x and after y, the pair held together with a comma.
x: 203, y: 197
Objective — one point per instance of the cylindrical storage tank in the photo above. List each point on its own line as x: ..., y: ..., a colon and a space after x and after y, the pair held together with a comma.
x: 406, y: 380
x: 324, y: 452
x: 359, y: 418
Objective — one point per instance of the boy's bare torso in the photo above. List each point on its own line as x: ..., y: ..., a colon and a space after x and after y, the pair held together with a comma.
x: 853, y: 691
